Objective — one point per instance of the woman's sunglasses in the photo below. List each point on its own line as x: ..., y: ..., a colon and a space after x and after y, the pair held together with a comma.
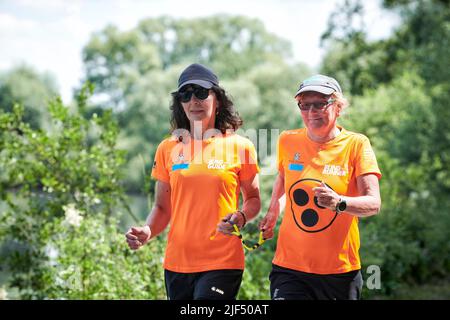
x: 199, y: 92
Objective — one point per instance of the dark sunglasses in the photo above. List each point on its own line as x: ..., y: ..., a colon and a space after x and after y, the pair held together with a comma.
x: 318, y: 106
x: 199, y: 92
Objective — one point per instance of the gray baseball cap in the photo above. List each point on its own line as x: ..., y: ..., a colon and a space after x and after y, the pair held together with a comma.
x: 198, y: 74
x: 319, y: 83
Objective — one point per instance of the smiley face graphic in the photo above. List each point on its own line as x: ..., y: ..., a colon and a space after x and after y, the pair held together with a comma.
x: 308, y: 214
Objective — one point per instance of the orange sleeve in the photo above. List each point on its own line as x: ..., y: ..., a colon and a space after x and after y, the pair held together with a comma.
x: 366, y: 162
x: 249, y: 162
x: 159, y: 170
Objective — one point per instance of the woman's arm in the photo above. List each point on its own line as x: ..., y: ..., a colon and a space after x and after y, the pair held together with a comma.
x: 159, y: 217
x: 250, y: 207
x: 157, y: 220
x: 251, y: 197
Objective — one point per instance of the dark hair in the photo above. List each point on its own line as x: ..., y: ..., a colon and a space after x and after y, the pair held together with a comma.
x: 226, y: 118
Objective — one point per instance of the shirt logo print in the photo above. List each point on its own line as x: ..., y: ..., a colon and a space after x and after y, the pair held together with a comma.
x: 216, y: 164
x: 333, y: 170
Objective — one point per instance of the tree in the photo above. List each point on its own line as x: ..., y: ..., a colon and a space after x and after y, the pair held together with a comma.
x: 230, y: 45
x: 418, y: 44
x: 135, y: 71
x: 399, y: 89
x: 70, y: 170
x: 424, y: 38
x: 25, y: 86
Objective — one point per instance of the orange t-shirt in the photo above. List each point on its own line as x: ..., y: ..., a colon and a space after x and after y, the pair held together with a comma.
x: 204, y: 177
x: 311, y: 238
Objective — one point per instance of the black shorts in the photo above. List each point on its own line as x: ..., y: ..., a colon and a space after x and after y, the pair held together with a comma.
x: 207, y: 285
x: 288, y: 284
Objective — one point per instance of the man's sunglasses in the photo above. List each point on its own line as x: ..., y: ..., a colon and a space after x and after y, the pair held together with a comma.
x: 318, y: 106
x: 199, y: 92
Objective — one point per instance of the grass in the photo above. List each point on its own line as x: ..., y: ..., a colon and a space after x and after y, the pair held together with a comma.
x: 435, y: 290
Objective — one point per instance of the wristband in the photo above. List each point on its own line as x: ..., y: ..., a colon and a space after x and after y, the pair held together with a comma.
x: 243, y: 216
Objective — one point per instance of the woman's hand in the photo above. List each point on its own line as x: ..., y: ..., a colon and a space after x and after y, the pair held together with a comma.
x: 138, y: 236
x: 226, y: 224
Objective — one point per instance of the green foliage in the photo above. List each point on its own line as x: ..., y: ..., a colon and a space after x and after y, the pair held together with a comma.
x: 400, y: 100
x: 255, y: 284
x: 230, y: 45
x: 93, y: 261
x: 358, y: 65
x: 65, y: 170
x: 135, y: 71
x: 76, y: 162
x: 258, y: 263
x: 420, y: 44
x: 409, y: 239
x: 24, y: 85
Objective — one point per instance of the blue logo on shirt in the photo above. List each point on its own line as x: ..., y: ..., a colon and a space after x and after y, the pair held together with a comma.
x: 180, y: 166
x: 295, y: 167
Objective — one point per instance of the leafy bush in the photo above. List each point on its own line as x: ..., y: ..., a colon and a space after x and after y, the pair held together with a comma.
x: 406, y: 123
x: 72, y: 171
x: 92, y: 261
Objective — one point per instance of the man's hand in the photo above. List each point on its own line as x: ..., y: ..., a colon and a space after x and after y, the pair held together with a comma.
x: 326, y: 197
x: 267, y: 224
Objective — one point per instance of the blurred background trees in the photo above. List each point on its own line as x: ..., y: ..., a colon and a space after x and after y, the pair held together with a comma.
x: 399, y: 91
x: 24, y: 85
x: 134, y: 72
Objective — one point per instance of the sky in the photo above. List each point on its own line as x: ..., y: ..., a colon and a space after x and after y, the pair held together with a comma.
x: 50, y: 34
